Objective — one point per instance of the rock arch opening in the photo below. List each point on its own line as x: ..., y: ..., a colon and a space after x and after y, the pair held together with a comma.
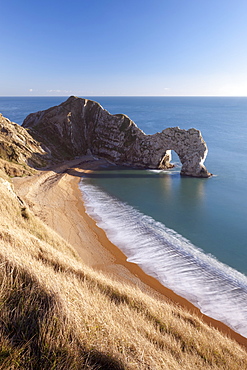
x: 175, y: 160
x: 170, y: 159
x: 165, y: 160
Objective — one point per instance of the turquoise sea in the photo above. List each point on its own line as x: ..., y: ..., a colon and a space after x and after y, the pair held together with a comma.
x: 191, y: 234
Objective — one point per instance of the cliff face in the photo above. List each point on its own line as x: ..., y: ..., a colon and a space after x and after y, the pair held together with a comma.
x: 18, y: 150
x: 79, y: 125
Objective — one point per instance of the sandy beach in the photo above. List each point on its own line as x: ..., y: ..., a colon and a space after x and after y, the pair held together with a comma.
x: 55, y: 197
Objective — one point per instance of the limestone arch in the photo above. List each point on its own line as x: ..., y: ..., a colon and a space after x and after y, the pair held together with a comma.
x: 190, y: 148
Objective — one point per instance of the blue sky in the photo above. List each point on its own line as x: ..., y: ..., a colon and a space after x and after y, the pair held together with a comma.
x: 128, y: 47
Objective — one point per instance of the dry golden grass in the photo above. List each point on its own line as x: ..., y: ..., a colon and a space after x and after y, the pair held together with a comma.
x: 56, y: 313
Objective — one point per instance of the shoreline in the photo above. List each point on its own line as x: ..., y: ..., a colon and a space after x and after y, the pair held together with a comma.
x: 91, y: 242
x: 153, y: 283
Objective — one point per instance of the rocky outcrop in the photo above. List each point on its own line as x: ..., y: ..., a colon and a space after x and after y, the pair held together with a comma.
x: 79, y: 125
x: 18, y: 150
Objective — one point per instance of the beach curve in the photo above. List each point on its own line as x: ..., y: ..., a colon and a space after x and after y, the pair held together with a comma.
x: 57, y: 189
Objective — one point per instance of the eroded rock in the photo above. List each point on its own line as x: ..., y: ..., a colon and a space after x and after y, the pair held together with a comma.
x: 78, y: 125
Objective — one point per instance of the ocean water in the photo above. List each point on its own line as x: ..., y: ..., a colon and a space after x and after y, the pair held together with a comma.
x: 189, y: 233
x: 17, y: 108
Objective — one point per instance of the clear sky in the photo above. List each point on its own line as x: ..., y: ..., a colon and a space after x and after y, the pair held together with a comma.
x: 123, y: 47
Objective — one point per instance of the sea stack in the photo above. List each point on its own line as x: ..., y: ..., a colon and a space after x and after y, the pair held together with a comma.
x: 78, y: 126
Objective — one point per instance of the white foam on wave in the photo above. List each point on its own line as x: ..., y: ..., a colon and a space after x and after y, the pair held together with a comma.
x: 216, y: 289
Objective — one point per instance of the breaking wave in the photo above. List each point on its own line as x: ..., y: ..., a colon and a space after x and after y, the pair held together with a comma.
x: 215, y: 288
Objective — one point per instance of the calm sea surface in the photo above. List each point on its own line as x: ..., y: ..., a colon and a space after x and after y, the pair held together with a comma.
x: 191, y: 234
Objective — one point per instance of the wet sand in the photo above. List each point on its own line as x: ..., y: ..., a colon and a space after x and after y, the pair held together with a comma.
x: 55, y: 197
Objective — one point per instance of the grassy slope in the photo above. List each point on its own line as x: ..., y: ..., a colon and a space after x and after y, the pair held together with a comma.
x: 56, y: 313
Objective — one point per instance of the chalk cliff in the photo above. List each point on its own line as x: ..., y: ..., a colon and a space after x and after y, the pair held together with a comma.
x: 79, y: 125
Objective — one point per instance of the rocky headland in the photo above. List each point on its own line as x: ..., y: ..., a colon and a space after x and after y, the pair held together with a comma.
x: 80, y: 126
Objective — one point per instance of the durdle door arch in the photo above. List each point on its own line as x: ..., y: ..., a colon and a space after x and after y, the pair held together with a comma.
x: 190, y: 148
x: 188, y: 144
x: 79, y: 125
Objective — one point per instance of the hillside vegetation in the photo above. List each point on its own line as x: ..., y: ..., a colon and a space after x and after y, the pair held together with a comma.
x: 56, y: 313
x: 18, y: 150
